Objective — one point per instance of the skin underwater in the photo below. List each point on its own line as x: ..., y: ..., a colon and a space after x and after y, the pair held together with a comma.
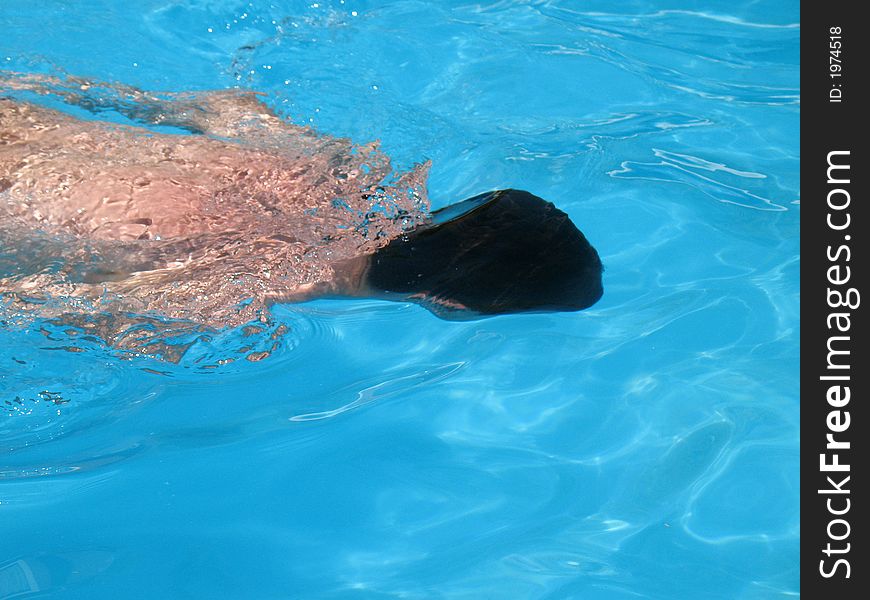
x: 209, y: 207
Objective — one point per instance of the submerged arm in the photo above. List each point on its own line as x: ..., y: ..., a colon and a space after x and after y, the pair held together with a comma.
x: 223, y: 113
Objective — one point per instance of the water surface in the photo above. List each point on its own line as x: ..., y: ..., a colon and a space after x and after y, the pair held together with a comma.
x: 645, y: 448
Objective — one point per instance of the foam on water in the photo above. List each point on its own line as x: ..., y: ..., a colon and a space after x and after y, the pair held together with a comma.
x: 647, y: 447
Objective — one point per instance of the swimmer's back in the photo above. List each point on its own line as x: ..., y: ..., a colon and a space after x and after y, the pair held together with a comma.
x: 122, y: 183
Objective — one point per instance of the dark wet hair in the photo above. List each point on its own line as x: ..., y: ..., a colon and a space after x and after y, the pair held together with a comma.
x: 506, y: 251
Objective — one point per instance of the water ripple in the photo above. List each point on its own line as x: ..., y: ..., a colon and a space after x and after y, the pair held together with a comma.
x: 394, y: 385
x: 686, y: 170
x: 667, y: 48
x: 643, y: 448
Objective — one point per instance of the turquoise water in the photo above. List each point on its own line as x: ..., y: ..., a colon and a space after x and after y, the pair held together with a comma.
x: 645, y: 448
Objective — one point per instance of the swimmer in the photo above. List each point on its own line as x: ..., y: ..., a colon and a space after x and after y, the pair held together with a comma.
x: 210, y: 207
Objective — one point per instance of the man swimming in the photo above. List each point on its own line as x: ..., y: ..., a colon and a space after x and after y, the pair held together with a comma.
x: 234, y: 209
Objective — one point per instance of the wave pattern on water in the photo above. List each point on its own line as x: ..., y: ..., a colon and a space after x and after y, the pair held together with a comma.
x: 647, y: 447
x: 688, y: 170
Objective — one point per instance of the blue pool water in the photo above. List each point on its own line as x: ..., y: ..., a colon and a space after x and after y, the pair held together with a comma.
x: 645, y: 448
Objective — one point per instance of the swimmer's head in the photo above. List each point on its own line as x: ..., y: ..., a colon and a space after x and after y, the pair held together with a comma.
x: 501, y: 252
